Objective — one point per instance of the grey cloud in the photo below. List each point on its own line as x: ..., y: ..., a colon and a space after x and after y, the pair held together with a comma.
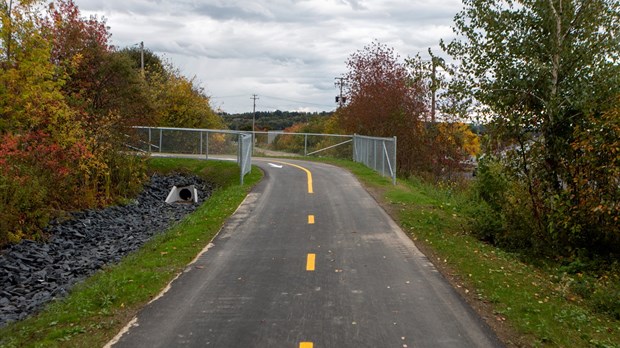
x: 225, y: 12
x: 355, y: 4
x: 289, y: 48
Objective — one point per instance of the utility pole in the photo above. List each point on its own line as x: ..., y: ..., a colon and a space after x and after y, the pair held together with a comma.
x: 142, y: 57
x: 9, y: 33
x: 433, y: 87
x: 340, y: 84
x: 254, y: 98
x: 435, y: 62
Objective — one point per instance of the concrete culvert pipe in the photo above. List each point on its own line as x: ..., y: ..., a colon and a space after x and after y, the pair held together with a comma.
x: 185, y: 194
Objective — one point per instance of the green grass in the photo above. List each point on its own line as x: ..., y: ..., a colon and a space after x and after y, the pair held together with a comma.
x: 531, y: 305
x: 534, y: 303
x: 97, y: 308
x: 221, y: 173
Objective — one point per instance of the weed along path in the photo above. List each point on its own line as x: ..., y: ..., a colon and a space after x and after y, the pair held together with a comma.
x: 308, y: 260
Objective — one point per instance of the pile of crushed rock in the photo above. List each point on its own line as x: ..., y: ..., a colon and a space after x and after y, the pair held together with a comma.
x: 34, y: 273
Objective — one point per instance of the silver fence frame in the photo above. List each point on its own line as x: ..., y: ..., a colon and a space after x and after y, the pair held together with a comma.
x: 376, y: 153
x: 244, y: 144
x: 244, y: 157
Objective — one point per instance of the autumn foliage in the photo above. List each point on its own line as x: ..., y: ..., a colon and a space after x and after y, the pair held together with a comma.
x: 382, y: 101
x: 386, y: 99
x: 67, y: 100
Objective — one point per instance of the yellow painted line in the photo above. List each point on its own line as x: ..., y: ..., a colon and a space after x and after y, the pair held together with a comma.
x: 308, y: 173
x: 310, y: 219
x: 306, y: 345
x: 310, y: 262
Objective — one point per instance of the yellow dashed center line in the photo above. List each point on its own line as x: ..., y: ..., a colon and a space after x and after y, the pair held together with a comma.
x: 310, y: 262
x: 311, y: 259
x: 309, y: 175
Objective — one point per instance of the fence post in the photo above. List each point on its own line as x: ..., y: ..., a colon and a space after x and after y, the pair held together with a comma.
x: 160, y: 138
x: 354, y: 147
x: 207, y: 146
x: 150, y: 141
x: 383, y: 154
x: 239, y: 140
x: 305, y: 144
x: 240, y: 154
x: 394, y: 174
x: 200, y: 151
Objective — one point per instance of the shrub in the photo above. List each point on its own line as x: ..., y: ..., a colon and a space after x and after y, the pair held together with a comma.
x: 487, y: 224
x: 39, y: 178
x: 489, y: 190
x: 23, y: 208
x: 491, y: 182
x: 606, y: 296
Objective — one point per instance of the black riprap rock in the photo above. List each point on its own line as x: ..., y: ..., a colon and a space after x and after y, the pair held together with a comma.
x: 33, y: 274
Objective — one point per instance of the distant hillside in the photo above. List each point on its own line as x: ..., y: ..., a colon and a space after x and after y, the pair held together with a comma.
x: 270, y: 120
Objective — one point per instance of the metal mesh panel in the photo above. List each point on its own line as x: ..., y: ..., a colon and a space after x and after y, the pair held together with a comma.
x: 376, y: 153
x: 306, y: 144
x: 196, y: 142
x: 245, y: 154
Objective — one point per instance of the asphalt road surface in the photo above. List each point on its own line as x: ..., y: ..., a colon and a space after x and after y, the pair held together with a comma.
x: 309, y: 260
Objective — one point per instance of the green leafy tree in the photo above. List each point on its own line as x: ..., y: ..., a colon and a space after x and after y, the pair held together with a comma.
x: 447, y: 142
x: 542, y: 71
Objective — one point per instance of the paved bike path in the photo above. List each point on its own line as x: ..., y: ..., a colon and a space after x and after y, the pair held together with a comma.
x: 309, y: 264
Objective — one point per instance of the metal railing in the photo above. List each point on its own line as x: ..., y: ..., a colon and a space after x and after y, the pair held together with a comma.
x: 376, y: 153
x: 200, y: 143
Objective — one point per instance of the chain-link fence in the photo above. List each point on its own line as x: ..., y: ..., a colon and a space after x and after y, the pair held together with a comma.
x: 376, y: 153
x: 201, y: 143
x: 304, y: 144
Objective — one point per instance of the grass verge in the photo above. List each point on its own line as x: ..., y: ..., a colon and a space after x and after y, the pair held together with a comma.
x: 527, y: 305
x: 99, y: 307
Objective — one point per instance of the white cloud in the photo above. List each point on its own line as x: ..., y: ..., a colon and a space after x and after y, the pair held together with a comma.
x: 287, y: 51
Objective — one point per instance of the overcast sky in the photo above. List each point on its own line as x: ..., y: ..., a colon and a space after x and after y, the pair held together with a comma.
x: 288, y: 52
